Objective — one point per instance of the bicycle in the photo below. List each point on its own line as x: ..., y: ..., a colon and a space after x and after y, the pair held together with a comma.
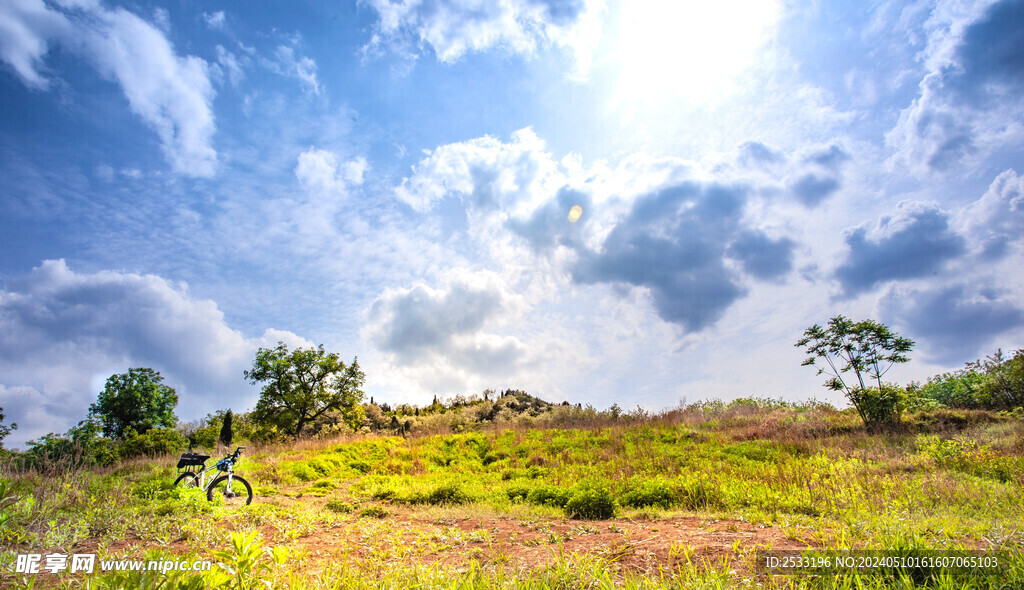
x: 223, y: 486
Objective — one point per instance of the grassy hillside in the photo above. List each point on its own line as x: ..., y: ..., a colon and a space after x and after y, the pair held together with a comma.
x: 683, y: 499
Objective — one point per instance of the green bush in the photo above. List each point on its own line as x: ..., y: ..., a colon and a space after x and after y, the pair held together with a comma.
x: 650, y: 493
x: 444, y: 494
x: 155, y: 441
x: 958, y: 389
x: 494, y: 457
x: 303, y: 472
x: 517, y: 493
x: 549, y: 496
x: 880, y: 406
x: 992, y: 384
x: 373, y: 512
x: 360, y: 466
x: 591, y: 503
x: 536, y: 472
x: 339, y: 506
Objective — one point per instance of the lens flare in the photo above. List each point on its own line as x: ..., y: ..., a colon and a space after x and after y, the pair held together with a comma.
x: 575, y: 213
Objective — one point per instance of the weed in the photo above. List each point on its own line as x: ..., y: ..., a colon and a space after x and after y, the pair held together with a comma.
x: 444, y: 494
x: 373, y: 512
x: 340, y: 506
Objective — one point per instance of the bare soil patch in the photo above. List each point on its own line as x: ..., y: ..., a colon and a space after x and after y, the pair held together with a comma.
x: 641, y: 547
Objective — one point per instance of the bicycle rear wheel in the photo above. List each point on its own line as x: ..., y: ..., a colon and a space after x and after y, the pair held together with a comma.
x: 239, y: 494
x: 187, y: 480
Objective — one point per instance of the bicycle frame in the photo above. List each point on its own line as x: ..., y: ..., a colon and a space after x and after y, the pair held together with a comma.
x: 201, y: 474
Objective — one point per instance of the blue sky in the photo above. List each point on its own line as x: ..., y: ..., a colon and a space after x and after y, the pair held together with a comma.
x: 182, y: 183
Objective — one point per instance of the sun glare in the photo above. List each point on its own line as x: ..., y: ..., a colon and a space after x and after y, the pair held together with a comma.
x: 689, y: 50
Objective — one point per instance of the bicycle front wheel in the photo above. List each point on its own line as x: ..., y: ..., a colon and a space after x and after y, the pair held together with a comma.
x: 239, y: 493
x: 187, y: 480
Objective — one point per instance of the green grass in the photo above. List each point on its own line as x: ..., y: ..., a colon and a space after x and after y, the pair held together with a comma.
x: 810, y: 471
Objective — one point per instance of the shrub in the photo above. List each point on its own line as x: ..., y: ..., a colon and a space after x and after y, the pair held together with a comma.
x: 880, y: 406
x: 386, y: 494
x: 591, y: 503
x: 444, y: 494
x: 303, y: 472
x: 156, y: 441
x: 517, y: 493
x: 650, y: 493
x: 494, y: 457
x: 958, y: 389
x: 81, y: 445
x: 990, y: 384
x: 548, y: 496
x: 373, y: 512
x: 535, y: 472
x: 360, y: 466
x: 339, y: 506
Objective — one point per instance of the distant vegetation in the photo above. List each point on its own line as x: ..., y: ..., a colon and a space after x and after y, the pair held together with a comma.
x: 868, y: 349
x: 995, y: 383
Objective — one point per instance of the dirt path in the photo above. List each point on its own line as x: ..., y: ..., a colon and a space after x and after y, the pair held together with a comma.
x: 638, y: 547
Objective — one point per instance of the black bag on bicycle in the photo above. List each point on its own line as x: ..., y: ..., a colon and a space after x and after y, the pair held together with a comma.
x: 192, y: 460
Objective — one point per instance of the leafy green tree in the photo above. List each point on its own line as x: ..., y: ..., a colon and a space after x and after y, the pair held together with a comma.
x: 135, y: 401
x: 5, y: 429
x: 303, y: 384
x: 225, y: 430
x: 1003, y: 387
x: 868, y: 349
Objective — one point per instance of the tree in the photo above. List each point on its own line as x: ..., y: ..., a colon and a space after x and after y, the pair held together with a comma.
x: 5, y: 429
x: 1003, y: 385
x: 135, y: 401
x: 867, y: 348
x: 303, y: 384
x: 225, y: 430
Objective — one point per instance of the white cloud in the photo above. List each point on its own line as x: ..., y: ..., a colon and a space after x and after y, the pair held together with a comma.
x: 215, y: 20
x: 450, y: 335
x: 486, y: 173
x: 318, y: 171
x: 302, y: 68
x: 172, y: 94
x: 453, y: 28
x: 995, y: 220
x: 969, y: 103
x: 63, y: 332
x: 230, y: 62
x: 26, y: 29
